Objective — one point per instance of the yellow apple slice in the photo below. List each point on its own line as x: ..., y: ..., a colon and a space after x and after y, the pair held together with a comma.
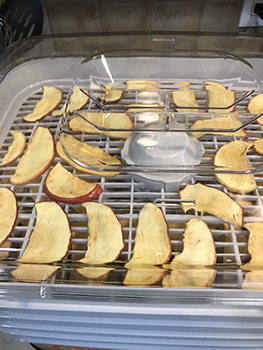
x: 234, y: 154
x: 255, y: 245
x: 142, y: 85
x: 111, y: 94
x: 186, y: 98
x: 144, y: 276
x: 152, y: 242
x: 104, y: 120
x: 105, y: 239
x: 62, y: 186
x: 77, y: 100
x: 199, y: 246
x: 228, y: 121
x: 39, y: 156
x: 8, y: 213
x: 258, y: 146
x: 190, y: 278
x: 213, y: 85
x: 87, y: 154
x: 213, y: 201
x: 51, y: 98
x: 15, y: 149
x: 253, y: 279
x: 34, y: 272
x: 51, y: 238
x: 255, y: 105
x: 94, y: 272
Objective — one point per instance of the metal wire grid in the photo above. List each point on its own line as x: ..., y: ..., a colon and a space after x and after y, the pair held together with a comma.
x: 126, y: 197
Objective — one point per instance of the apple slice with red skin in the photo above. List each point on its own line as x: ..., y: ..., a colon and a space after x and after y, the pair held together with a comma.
x: 91, y: 155
x: 190, y: 277
x: 213, y: 201
x: 105, y: 120
x: 77, y: 100
x: 229, y: 121
x: 51, y: 98
x: 34, y: 272
x: 144, y: 276
x: 8, y: 213
x: 105, y: 236
x: 258, y: 146
x: 199, y: 247
x: 255, y: 245
x: 62, y: 186
x: 94, y: 272
x: 51, y: 238
x: 234, y: 154
x: 152, y: 242
x: 219, y: 96
x: 15, y: 149
x: 37, y: 159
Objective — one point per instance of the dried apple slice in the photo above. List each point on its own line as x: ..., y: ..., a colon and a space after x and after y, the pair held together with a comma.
x: 8, y: 213
x: 190, y: 278
x: 94, y: 272
x: 39, y: 156
x: 152, y: 242
x: 104, y: 120
x: 220, y: 98
x: 228, y: 121
x: 51, y: 98
x: 213, y: 201
x: 112, y: 95
x: 199, y: 246
x: 51, y: 238
x: 234, y: 154
x: 255, y: 105
x: 86, y: 153
x: 15, y: 149
x: 77, y: 100
x: 258, y: 146
x: 255, y: 245
x: 144, y: 276
x: 105, y: 239
x: 213, y: 85
x: 142, y: 85
x: 253, y: 279
x: 34, y: 272
x: 186, y: 98
x: 62, y: 186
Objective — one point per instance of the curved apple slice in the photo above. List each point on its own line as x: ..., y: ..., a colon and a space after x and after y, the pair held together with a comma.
x: 213, y: 85
x: 213, y: 201
x: 86, y: 153
x: 8, y: 213
x: 51, y: 238
x: 199, y: 246
x: 190, y: 278
x: 186, y: 98
x: 105, y: 239
x: 62, y: 186
x: 34, y: 272
x: 94, y: 272
x: 15, y: 149
x: 219, y: 96
x: 258, y: 146
x: 229, y: 121
x: 39, y: 156
x: 255, y: 245
x: 152, y: 242
x: 255, y: 105
x: 142, y: 85
x: 144, y: 276
x: 112, y: 95
x: 51, y: 98
x: 104, y: 120
x: 234, y: 154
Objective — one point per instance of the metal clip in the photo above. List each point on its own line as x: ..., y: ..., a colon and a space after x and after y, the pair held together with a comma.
x: 43, y: 290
